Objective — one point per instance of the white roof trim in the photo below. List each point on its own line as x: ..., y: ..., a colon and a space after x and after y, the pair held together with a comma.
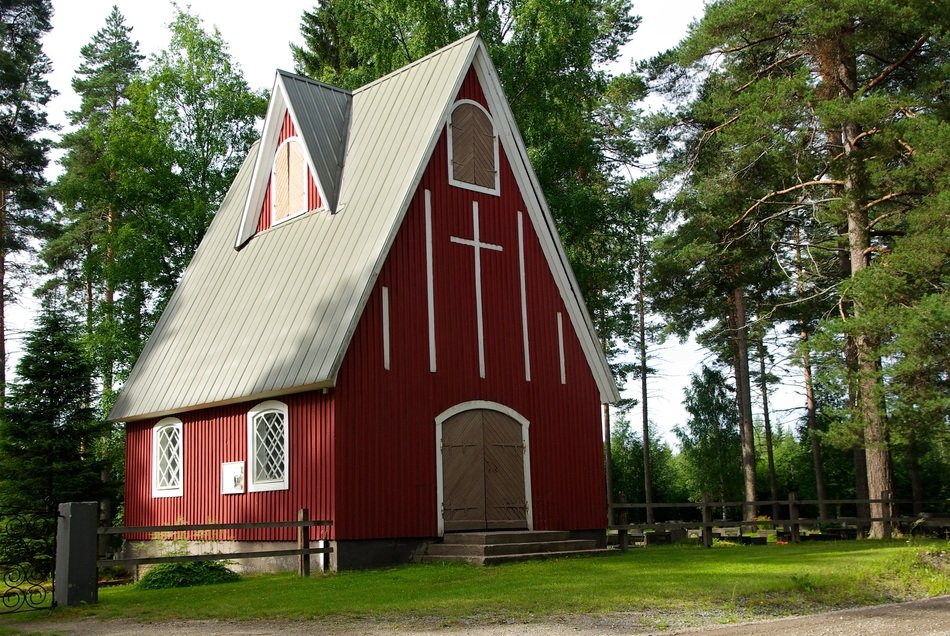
x: 545, y: 227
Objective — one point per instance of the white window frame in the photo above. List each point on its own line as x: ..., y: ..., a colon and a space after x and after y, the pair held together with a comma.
x: 464, y: 184
x: 263, y: 486
x: 273, y: 179
x: 161, y: 425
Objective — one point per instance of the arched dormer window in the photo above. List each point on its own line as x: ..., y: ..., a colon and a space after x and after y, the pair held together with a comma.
x: 167, y: 444
x: 473, y: 148
x: 288, y: 181
x: 267, y: 443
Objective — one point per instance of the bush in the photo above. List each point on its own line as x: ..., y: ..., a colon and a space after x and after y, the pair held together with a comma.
x: 169, y: 575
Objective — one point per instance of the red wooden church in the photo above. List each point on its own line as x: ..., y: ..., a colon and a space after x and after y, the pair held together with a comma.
x: 380, y: 325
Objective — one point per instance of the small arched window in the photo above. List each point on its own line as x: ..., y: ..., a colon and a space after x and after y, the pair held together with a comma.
x: 473, y: 148
x: 289, y: 181
x: 167, y: 458
x: 267, y: 443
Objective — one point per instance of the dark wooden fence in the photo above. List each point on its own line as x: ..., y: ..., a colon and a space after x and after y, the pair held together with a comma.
x: 931, y: 515
x: 302, y: 551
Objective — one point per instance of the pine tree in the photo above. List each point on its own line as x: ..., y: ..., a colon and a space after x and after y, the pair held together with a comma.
x: 24, y: 94
x: 48, y: 432
x: 94, y: 186
x: 844, y: 104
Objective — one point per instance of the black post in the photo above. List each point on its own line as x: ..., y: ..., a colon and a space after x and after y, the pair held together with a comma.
x: 793, y: 516
x: 886, y: 513
x: 303, y: 543
x: 76, y: 552
x: 707, y: 521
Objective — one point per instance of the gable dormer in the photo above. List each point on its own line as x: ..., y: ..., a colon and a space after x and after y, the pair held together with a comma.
x: 300, y: 159
x: 291, y: 189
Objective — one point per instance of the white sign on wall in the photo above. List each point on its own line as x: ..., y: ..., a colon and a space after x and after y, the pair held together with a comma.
x: 232, y: 478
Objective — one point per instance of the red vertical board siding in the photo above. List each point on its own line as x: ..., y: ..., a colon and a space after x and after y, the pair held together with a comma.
x: 385, y: 445
x: 313, y: 193
x: 216, y: 435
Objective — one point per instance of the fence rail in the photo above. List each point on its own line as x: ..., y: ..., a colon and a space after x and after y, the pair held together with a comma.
x: 302, y: 551
x: 793, y: 523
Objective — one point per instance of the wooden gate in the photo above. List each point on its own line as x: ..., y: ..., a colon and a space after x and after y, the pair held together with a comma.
x: 483, y: 472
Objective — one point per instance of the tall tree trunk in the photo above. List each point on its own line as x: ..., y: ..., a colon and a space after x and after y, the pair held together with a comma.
x: 811, y: 408
x: 915, y: 450
x: 863, y: 510
x: 642, y: 343
x: 608, y: 463
x: 740, y: 351
x: 767, y: 423
x: 3, y: 297
x: 838, y: 66
x: 108, y: 362
x: 811, y: 420
x: 869, y: 399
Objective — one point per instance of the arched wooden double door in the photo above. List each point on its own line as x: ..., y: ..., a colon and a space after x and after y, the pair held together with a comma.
x: 483, y: 472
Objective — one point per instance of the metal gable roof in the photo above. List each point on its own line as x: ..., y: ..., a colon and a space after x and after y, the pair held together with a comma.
x: 276, y: 315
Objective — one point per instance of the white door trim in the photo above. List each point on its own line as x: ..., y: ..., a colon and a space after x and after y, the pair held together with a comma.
x: 441, y: 418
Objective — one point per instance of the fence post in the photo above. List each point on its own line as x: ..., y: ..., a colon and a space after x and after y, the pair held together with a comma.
x: 76, y: 552
x: 886, y: 513
x: 303, y: 543
x: 707, y: 521
x: 793, y: 516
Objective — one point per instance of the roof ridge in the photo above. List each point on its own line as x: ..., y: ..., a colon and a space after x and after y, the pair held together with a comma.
x: 308, y: 80
x: 410, y: 65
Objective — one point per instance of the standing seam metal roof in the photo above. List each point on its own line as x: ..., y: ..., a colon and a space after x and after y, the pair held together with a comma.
x: 276, y: 315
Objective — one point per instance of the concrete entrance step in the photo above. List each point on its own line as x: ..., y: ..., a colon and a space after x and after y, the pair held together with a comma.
x: 504, y: 536
x: 488, y: 548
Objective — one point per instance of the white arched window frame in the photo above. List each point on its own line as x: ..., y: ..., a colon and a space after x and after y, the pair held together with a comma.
x: 167, y: 472
x: 492, y: 189
x: 289, y: 171
x: 268, y: 442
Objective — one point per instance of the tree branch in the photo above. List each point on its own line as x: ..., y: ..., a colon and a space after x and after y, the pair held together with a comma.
x: 888, y: 197
x: 776, y: 193
x: 893, y: 67
x: 768, y: 68
x: 736, y: 49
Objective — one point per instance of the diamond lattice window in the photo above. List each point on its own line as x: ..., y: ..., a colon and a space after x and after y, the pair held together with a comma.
x: 267, y: 441
x: 269, y: 447
x: 167, y: 458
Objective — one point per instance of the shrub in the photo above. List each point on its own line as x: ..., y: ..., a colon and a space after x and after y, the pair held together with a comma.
x: 169, y: 575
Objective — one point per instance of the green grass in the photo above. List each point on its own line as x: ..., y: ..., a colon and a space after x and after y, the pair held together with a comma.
x: 727, y: 584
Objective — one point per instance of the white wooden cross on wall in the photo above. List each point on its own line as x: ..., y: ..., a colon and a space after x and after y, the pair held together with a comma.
x: 476, y: 243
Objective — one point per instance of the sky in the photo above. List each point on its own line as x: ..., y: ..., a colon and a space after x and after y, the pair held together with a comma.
x: 259, y: 43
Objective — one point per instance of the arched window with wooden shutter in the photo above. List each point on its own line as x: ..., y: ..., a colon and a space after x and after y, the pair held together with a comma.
x: 473, y: 148
x: 289, y: 181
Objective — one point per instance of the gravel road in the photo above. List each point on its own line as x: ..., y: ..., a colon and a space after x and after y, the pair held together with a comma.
x: 930, y: 617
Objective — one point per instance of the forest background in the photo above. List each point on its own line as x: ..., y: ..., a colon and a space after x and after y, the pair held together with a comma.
x: 775, y: 186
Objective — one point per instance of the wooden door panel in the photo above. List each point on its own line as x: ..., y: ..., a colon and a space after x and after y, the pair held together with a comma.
x: 463, y: 460
x: 505, y: 504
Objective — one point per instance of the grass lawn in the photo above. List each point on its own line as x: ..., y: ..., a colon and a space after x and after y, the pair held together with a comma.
x: 721, y: 584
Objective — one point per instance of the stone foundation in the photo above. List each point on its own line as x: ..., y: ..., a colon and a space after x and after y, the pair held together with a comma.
x: 256, y: 565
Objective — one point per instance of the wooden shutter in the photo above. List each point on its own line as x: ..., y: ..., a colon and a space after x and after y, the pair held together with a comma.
x: 483, y: 151
x: 473, y: 147
x: 290, y: 181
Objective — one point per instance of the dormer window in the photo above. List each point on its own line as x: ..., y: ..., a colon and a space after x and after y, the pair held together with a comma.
x: 473, y: 148
x: 288, y: 181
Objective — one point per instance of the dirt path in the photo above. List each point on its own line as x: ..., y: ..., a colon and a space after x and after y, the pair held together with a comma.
x: 930, y: 617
